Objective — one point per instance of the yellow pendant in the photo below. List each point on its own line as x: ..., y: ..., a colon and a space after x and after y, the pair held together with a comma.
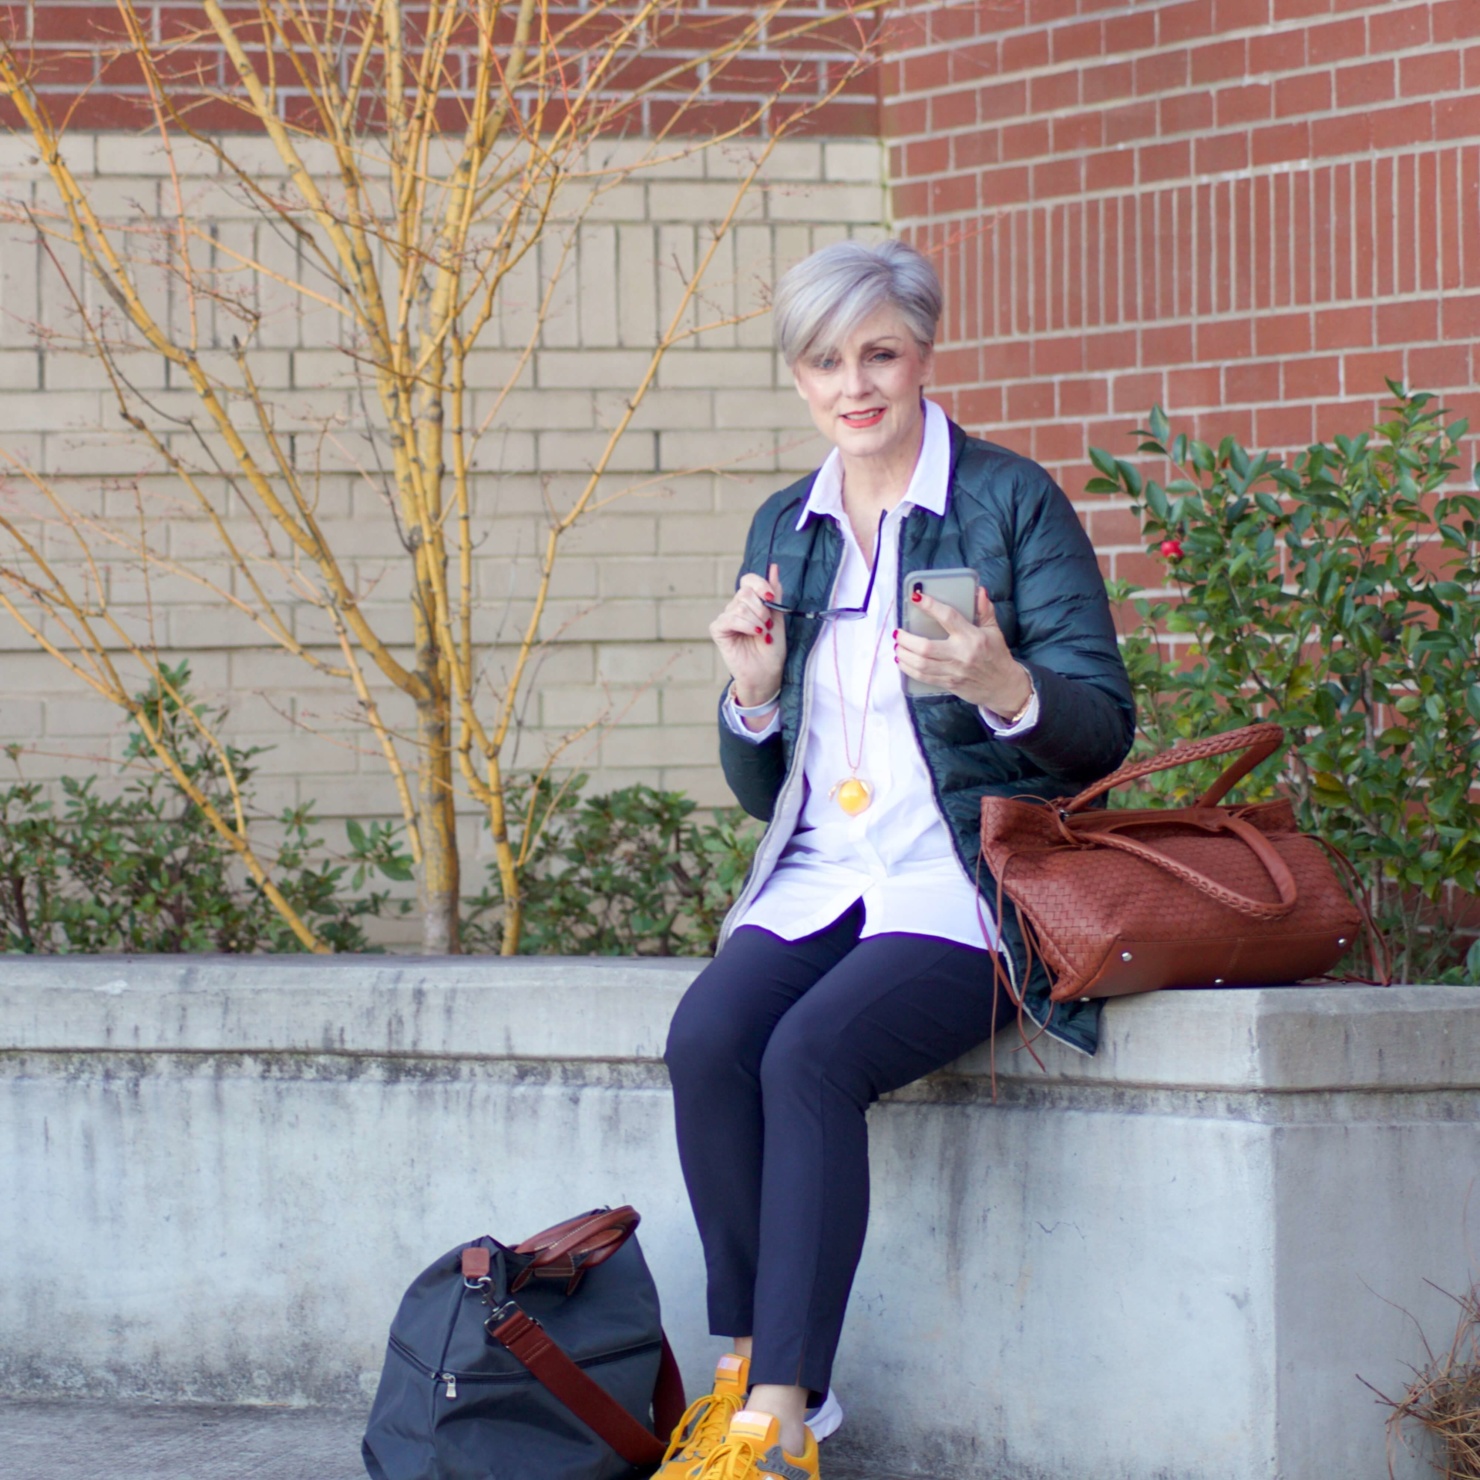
x: 853, y: 796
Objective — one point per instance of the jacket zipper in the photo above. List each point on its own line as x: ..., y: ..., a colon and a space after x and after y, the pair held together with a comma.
x: 940, y: 811
x: 765, y: 852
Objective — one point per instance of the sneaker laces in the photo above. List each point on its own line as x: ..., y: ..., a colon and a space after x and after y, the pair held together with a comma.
x: 735, y: 1459
x: 704, y: 1425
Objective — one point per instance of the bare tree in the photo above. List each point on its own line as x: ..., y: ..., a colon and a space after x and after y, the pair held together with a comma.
x: 423, y: 159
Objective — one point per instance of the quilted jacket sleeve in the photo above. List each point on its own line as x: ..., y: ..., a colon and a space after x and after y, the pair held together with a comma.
x: 754, y: 769
x: 1066, y: 638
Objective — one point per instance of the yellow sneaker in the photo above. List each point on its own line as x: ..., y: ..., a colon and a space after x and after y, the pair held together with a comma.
x: 752, y: 1451
x: 706, y: 1421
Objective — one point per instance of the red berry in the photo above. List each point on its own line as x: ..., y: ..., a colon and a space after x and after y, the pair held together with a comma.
x: 1171, y: 549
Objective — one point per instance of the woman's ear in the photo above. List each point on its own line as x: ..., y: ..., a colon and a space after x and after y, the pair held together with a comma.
x: 927, y: 363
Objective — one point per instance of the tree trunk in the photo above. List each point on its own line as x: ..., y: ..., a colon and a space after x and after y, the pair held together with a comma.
x: 509, y: 874
x: 441, y: 870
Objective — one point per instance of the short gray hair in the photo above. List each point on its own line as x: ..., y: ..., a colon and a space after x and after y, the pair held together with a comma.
x: 821, y: 300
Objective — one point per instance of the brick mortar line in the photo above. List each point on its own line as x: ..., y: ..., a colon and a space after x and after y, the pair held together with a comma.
x: 1280, y: 167
x: 1151, y: 141
x: 1374, y: 9
x: 1154, y: 141
x: 1155, y: 53
x: 1254, y: 362
x: 1229, y: 316
x: 1245, y: 79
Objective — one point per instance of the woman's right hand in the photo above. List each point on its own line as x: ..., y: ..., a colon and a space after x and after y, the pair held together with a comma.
x: 750, y: 639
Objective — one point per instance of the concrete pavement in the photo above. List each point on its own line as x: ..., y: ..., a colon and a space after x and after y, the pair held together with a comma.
x: 87, y: 1440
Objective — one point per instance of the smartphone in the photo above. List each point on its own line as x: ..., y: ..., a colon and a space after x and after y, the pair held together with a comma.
x: 955, y: 587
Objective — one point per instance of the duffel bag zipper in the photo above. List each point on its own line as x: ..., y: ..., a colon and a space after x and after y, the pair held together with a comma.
x: 407, y: 1355
x: 450, y: 1380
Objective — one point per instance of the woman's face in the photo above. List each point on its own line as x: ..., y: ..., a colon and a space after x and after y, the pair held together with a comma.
x: 864, y: 394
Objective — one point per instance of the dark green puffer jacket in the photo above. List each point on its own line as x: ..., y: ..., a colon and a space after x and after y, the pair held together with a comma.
x: 1009, y: 521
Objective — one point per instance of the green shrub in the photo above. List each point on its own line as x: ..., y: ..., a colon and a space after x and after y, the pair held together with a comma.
x: 636, y: 872
x: 142, y: 870
x: 631, y: 873
x: 1337, y: 596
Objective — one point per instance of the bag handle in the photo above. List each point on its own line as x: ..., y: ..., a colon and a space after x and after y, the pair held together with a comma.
x: 569, y: 1249
x: 531, y: 1345
x: 1257, y: 843
x: 1258, y: 741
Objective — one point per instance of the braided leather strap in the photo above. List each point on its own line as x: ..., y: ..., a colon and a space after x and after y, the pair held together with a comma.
x: 1256, y: 842
x: 1258, y: 741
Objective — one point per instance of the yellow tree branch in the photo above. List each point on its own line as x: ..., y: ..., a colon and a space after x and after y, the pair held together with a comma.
x: 410, y: 196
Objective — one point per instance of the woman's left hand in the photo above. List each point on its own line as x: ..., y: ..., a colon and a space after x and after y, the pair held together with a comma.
x: 972, y: 662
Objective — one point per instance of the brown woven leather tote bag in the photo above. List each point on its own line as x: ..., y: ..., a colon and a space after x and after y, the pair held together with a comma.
x: 1201, y: 896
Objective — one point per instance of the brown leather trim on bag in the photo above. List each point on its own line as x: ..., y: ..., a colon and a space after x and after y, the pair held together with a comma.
x: 530, y: 1343
x: 569, y: 1249
x: 668, y: 1396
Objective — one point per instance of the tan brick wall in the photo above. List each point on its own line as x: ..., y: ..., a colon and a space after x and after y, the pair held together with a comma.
x: 637, y: 585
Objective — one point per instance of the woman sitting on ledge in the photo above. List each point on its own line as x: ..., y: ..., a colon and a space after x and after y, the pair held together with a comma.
x: 858, y: 956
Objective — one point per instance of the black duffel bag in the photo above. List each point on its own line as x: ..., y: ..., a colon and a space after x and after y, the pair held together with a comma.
x: 545, y: 1361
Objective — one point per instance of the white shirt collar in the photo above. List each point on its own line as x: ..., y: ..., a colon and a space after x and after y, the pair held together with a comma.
x: 929, y: 484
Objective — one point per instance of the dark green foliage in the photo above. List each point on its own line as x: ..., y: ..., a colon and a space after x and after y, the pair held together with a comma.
x: 635, y: 872
x: 142, y: 870
x: 632, y: 873
x: 1338, y: 596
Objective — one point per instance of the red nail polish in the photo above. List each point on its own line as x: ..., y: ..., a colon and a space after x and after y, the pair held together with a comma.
x: 770, y: 596
x: 915, y: 595
x: 768, y: 637
x: 759, y: 630
x: 896, y: 634
x: 770, y: 622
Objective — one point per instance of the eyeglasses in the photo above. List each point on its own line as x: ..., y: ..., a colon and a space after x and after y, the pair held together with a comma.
x: 843, y: 613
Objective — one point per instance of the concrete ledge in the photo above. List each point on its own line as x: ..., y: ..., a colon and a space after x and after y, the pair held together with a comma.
x: 1167, y: 1261
x: 1273, y: 1040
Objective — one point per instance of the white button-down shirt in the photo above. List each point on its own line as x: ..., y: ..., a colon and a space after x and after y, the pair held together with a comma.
x: 896, y: 856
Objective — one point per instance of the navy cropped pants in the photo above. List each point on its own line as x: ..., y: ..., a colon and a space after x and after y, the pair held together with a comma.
x: 775, y: 1053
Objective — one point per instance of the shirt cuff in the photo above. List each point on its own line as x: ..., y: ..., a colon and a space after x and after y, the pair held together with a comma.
x: 738, y: 725
x: 1005, y: 731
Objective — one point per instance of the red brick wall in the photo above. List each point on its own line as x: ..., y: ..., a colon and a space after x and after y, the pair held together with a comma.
x: 1250, y: 211
x: 75, y: 48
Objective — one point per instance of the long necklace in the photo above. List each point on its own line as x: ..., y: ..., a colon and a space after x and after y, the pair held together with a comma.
x: 853, y: 794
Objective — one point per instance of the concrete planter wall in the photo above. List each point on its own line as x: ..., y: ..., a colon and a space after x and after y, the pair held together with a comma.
x: 1165, y: 1263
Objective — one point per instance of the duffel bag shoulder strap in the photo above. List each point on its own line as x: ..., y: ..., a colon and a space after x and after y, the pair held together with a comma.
x: 524, y: 1338
x: 668, y: 1396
